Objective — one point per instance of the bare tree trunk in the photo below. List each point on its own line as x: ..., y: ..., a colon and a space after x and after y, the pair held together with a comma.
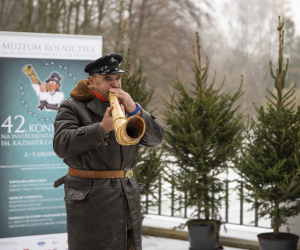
x: 88, y: 14
x: 101, y: 4
x: 130, y: 14
x: 54, y: 15
x: 77, y: 7
x: 137, y: 34
x: 10, y: 18
x: 1, y: 13
x: 64, y: 16
x: 275, y: 224
x: 119, y: 29
x: 123, y: 30
x: 142, y: 18
x: 70, y: 9
x: 42, y: 16
x: 86, y: 19
x: 25, y: 23
x: 206, y: 197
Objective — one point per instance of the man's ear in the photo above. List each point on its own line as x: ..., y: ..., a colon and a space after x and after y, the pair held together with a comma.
x: 91, y: 80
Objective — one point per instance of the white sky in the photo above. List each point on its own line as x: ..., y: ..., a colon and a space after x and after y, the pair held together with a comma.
x: 294, y: 4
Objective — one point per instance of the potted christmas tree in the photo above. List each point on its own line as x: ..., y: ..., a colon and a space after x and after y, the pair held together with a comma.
x: 269, y: 163
x: 203, y: 132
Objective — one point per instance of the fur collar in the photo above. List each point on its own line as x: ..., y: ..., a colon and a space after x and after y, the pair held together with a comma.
x: 82, y: 92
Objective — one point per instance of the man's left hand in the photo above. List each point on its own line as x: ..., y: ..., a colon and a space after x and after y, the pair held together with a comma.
x: 126, y: 99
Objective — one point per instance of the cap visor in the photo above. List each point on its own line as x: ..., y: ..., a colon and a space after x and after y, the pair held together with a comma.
x: 113, y: 72
x: 117, y: 71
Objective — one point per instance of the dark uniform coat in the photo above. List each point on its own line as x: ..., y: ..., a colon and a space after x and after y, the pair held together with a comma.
x: 96, y: 208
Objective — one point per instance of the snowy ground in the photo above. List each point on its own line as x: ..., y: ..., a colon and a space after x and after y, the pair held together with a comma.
x: 157, y: 243
x: 233, y: 231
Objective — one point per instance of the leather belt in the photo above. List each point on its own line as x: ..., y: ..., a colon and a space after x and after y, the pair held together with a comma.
x: 127, y: 173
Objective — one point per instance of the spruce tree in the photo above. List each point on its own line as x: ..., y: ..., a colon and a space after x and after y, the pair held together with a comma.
x: 150, y: 160
x: 149, y: 170
x: 203, y: 132
x: 269, y: 163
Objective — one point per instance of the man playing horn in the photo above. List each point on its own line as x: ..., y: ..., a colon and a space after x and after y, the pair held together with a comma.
x: 102, y: 196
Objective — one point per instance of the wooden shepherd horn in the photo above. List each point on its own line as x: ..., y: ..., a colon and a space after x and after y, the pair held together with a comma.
x: 30, y: 72
x: 128, y: 131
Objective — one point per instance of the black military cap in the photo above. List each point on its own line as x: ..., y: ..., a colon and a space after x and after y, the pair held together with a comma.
x: 105, y: 65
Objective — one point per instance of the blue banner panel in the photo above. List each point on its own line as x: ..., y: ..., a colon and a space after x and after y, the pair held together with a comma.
x: 31, y: 92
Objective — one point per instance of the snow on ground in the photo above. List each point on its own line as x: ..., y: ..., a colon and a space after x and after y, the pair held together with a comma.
x: 233, y: 231
x: 157, y: 243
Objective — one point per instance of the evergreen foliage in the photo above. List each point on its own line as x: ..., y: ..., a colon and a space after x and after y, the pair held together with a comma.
x: 269, y: 161
x: 150, y: 160
x: 149, y: 169
x: 203, y: 132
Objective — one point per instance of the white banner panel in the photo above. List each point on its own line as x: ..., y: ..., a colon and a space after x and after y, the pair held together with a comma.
x: 37, y: 242
x: 50, y: 46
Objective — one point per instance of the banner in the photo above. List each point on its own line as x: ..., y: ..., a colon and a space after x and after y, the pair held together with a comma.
x: 36, y: 242
x: 37, y: 73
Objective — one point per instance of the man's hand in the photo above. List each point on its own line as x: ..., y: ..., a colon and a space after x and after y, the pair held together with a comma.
x: 126, y: 99
x: 107, y: 122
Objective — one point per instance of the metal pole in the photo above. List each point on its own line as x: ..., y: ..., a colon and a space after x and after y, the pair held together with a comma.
x: 147, y: 203
x: 185, y: 205
x: 213, y: 202
x: 241, y: 205
x: 226, y: 215
x: 159, y: 196
x: 256, y: 213
x: 172, y: 204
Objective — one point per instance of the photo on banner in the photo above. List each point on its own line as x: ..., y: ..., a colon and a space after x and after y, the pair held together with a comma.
x: 38, y: 72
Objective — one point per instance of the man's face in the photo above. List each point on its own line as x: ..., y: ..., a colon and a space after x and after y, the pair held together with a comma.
x: 52, y: 86
x: 102, y: 83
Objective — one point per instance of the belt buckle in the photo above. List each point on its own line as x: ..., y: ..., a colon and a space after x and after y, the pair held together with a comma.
x: 128, y: 173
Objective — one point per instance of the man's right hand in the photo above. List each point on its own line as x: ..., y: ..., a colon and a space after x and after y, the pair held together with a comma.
x: 107, y: 122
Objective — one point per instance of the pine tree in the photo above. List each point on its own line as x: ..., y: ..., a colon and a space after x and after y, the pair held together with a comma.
x: 203, y: 132
x: 150, y: 160
x: 149, y: 170
x: 269, y: 162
